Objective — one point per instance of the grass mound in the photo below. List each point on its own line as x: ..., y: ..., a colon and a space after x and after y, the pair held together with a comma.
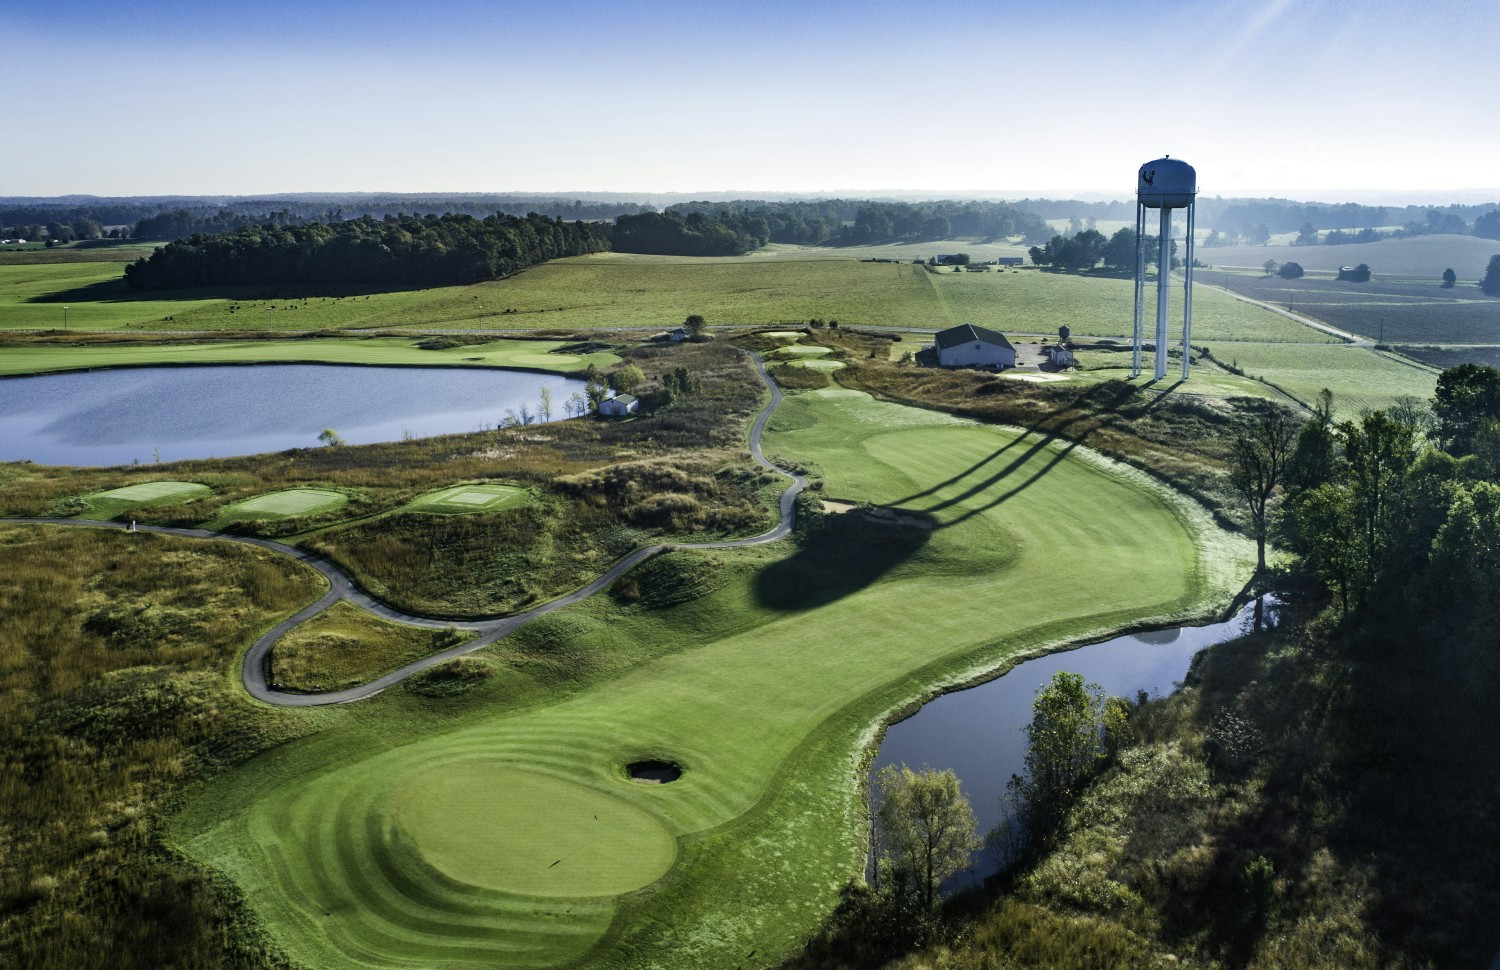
x: 452, y: 678
x: 344, y: 646
x: 671, y: 578
x: 485, y: 823
x: 470, y: 498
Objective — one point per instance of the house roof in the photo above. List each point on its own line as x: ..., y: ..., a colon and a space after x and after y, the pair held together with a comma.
x: 623, y: 399
x: 968, y: 333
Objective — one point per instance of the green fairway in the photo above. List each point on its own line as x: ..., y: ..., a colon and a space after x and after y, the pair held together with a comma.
x: 1360, y: 377
x: 483, y: 497
x: 284, y: 504
x: 398, y: 351
x: 112, y: 502
x: 389, y: 839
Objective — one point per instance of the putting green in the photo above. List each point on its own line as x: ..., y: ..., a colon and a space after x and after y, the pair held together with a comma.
x: 293, y: 501
x: 784, y: 334
x: 548, y: 361
x: 485, y: 823
x: 804, y: 351
x: 481, y: 497
x: 817, y: 364
x: 355, y: 847
x: 144, y: 492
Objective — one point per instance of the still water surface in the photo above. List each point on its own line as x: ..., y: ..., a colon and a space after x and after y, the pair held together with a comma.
x: 978, y: 733
x: 115, y: 417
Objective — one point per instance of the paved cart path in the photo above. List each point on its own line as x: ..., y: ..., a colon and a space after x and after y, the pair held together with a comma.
x: 342, y: 587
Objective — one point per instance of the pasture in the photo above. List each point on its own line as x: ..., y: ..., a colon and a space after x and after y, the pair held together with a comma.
x: 544, y: 355
x: 1360, y: 377
x: 352, y: 846
x: 614, y: 290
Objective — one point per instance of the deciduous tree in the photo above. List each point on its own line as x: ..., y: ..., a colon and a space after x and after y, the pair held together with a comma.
x: 926, y: 828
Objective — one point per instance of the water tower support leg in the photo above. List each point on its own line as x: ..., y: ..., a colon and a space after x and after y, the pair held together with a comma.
x: 1187, y: 295
x: 1163, y: 290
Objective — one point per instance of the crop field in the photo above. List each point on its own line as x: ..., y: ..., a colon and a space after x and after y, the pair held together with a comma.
x: 1360, y: 377
x: 38, y: 358
x: 1445, y: 357
x: 112, y: 502
x: 1414, y: 258
x: 479, y: 497
x: 1390, y: 310
x: 498, y: 828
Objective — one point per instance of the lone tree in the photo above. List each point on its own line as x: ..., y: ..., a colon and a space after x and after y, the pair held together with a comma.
x: 1449, y: 278
x: 1269, y: 266
x: 1491, y: 282
x: 694, y: 325
x: 330, y: 437
x: 927, y: 829
x: 1065, y: 746
x: 1260, y: 460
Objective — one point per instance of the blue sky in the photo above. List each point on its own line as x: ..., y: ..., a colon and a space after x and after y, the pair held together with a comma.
x: 1307, y: 99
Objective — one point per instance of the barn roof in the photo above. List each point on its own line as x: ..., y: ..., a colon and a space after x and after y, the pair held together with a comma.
x: 968, y: 333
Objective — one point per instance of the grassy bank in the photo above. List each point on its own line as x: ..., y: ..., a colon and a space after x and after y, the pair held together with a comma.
x: 344, y: 646
x: 114, y: 650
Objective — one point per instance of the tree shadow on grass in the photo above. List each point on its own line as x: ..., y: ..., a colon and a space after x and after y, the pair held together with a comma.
x: 844, y: 555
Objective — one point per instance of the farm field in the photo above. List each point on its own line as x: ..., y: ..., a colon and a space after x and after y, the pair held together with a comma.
x: 1391, y: 310
x: 356, y: 844
x: 1415, y: 257
x: 1445, y: 357
x: 610, y: 290
x: 38, y: 358
x: 1360, y: 377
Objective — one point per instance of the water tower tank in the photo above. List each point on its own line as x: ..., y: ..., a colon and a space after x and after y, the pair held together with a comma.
x: 1167, y: 183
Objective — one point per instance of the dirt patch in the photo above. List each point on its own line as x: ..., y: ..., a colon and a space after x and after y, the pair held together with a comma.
x: 837, y: 508
x: 653, y: 772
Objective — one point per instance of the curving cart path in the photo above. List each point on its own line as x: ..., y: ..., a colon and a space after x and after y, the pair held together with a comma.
x: 342, y: 587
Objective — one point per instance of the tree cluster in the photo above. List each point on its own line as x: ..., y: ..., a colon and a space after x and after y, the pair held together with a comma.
x: 1088, y: 248
x: 675, y: 234
x: 853, y: 222
x: 397, y: 250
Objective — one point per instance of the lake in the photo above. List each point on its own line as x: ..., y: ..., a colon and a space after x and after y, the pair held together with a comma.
x: 978, y: 732
x: 115, y: 417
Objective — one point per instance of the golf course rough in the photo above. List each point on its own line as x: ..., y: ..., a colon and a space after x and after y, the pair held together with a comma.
x: 398, y: 838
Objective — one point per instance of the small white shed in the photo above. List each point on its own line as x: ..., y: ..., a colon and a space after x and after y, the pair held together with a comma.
x: 619, y: 405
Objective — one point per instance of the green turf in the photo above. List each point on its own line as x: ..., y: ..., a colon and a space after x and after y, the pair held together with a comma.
x: 765, y: 689
x: 485, y: 823
x: 816, y: 364
x: 1360, y: 377
x: 398, y: 351
x: 808, y: 351
x: 110, y: 503
x: 284, y: 504
x: 621, y: 290
x: 483, y: 497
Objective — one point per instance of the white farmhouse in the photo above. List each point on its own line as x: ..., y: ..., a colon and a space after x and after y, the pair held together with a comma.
x: 971, y: 346
x: 619, y: 406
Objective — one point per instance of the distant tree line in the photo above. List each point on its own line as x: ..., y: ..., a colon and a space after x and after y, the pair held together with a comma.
x: 399, y: 250
x: 848, y: 222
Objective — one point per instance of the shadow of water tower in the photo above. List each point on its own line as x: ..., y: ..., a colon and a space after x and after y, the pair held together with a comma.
x: 1167, y: 183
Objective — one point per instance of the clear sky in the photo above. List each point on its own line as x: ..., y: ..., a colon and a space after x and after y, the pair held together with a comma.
x: 1302, y: 98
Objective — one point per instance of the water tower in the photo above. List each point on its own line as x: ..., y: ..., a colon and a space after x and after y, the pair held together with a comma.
x: 1166, y: 184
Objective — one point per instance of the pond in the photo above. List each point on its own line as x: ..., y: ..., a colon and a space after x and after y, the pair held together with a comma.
x: 978, y: 732
x: 142, y: 414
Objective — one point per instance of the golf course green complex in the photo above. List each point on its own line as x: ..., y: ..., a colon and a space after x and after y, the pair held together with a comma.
x: 286, y: 503
x: 490, y: 832
x: 480, y: 497
x: 116, y: 500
